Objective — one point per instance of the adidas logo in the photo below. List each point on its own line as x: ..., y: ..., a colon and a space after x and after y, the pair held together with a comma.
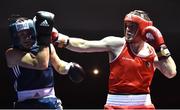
x: 44, y: 23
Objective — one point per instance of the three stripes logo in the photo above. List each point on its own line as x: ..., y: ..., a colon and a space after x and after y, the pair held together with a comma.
x: 44, y: 23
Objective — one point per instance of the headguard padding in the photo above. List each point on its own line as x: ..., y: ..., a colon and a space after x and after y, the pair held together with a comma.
x: 16, y: 27
x: 142, y: 23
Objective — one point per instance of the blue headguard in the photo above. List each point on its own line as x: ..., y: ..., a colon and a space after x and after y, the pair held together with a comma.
x: 15, y: 27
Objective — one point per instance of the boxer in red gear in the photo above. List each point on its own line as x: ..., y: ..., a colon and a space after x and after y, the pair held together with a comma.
x: 133, y: 60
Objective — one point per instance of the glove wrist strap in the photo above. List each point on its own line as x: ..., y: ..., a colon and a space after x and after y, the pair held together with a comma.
x: 163, y: 52
x: 63, y: 43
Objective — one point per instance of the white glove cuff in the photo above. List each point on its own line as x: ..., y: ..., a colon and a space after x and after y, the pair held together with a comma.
x: 63, y: 40
x: 67, y: 67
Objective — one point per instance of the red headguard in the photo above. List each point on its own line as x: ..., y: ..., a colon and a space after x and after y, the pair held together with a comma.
x: 142, y: 23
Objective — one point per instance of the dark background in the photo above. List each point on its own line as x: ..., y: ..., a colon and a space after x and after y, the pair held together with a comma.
x: 95, y: 19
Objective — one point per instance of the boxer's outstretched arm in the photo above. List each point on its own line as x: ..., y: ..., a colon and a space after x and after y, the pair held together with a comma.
x: 106, y: 44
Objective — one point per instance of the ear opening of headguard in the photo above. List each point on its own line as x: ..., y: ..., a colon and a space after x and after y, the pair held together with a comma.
x: 15, y: 27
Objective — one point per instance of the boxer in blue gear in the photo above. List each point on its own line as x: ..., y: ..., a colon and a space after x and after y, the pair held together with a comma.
x: 31, y: 60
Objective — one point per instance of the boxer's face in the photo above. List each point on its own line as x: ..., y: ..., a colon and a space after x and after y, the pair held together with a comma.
x: 25, y: 37
x: 131, y: 29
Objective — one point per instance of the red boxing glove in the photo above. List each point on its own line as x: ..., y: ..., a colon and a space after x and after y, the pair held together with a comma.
x: 59, y: 39
x: 155, y: 38
x: 54, y: 38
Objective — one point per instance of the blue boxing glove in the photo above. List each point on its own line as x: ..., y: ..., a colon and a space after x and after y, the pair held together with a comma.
x: 44, y: 22
x: 75, y: 72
